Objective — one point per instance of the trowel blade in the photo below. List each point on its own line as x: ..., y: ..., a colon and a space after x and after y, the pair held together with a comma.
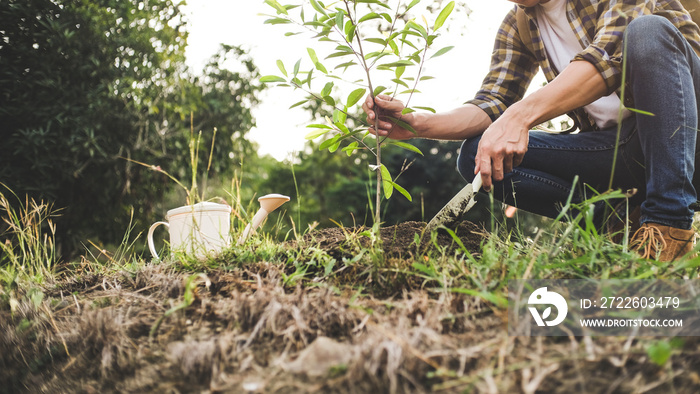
x: 456, y: 207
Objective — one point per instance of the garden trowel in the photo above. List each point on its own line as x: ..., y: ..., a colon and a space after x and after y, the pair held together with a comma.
x: 458, y: 205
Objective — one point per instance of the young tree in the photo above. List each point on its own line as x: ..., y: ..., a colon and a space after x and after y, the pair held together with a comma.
x: 375, y: 42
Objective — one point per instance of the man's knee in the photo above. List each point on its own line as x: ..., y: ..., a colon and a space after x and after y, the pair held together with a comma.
x: 467, y: 155
x: 646, y: 36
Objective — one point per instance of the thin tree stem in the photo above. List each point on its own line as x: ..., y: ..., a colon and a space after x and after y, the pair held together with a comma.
x: 378, y: 153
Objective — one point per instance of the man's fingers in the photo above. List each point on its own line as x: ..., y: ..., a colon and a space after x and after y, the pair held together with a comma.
x: 485, y: 169
x: 507, y: 167
x: 388, y: 103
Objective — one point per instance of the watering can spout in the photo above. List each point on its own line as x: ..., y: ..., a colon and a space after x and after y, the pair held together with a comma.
x: 268, y: 203
x: 271, y: 202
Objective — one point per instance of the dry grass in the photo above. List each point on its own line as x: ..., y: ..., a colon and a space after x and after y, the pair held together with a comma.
x: 246, y: 332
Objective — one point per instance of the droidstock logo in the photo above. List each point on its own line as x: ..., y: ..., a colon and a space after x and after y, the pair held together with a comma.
x: 543, y: 297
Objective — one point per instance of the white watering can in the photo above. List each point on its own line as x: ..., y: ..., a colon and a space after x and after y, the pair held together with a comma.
x: 204, y: 229
x: 200, y: 229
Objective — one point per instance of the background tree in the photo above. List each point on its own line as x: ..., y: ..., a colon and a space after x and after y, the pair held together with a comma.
x: 85, y: 84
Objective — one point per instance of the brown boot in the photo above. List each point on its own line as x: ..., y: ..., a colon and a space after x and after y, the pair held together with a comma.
x: 662, y: 243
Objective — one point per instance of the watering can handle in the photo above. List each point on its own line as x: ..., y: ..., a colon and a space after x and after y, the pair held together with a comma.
x: 254, y: 224
x: 151, y: 246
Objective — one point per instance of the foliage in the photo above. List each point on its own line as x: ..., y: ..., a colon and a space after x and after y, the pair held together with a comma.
x: 86, y: 84
x: 404, y: 46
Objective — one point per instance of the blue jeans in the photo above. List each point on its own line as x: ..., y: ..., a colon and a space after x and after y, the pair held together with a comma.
x: 656, y: 154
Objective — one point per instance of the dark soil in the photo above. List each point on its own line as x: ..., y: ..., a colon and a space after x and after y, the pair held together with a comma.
x: 245, y: 332
x: 403, y: 241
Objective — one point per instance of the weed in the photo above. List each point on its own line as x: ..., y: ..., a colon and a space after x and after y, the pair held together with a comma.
x: 27, y: 240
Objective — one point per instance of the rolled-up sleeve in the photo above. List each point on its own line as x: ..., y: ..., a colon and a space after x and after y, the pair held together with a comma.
x: 511, y: 71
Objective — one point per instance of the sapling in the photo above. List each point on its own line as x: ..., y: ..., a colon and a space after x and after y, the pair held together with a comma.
x: 378, y: 48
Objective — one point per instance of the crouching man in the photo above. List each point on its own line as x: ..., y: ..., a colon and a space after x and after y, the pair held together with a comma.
x: 580, y: 46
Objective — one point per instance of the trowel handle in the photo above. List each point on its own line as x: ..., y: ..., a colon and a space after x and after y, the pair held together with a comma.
x: 477, y: 183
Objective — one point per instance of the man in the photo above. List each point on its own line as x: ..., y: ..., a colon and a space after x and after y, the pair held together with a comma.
x: 579, y: 46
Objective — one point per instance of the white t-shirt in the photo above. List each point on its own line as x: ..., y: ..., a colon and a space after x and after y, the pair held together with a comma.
x: 562, y: 45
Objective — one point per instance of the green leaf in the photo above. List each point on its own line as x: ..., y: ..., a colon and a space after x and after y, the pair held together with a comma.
x: 316, y: 133
x: 277, y: 6
x: 339, y: 18
x: 280, y: 65
x: 351, y: 148
x: 400, y: 82
x: 428, y: 271
x: 405, y: 145
x: 338, y: 54
x: 426, y: 109
x: 420, y: 29
x: 403, y: 191
x: 394, y: 47
x: 378, y: 90
x: 350, y: 31
x: 298, y: 103
x: 403, y: 124
x: 407, y: 111
x: 355, y: 96
x: 398, y: 63
x: 327, y: 89
x: 308, y: 78
x: 296, y: 67
x: 329, y: 100
x: 659, y: 352
x: 413, y: 3
x: 343, y: 128
x: 346, y: 65
x: 442, y: 51
x: 426, y: 77
x: 317, y: 6
x: 321, y: 68
x: 272, y: 79
x: 399, y: 71
x: 387, y: 183
x: 329, y: 143
x: 319, y: 126
x: 370, y: 16
x: 340, y: 116
x: 277, y: 21
x: 312, y: 55
x: 442, y: 17
x: 315, y: 24
x: 379, y: 41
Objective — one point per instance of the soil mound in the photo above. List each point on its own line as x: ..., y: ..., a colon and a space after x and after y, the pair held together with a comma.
x: 404, y: 241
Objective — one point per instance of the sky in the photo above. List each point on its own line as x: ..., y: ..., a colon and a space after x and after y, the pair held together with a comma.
x: 280, y: 131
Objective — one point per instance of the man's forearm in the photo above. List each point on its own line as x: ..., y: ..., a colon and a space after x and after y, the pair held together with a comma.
x: 457, y: 124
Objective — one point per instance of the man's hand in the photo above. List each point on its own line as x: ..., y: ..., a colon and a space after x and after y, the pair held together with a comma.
x: 383, y: 107
x: 502, y: 147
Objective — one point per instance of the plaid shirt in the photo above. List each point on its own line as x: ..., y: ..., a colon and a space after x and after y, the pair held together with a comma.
x: 599, y: 26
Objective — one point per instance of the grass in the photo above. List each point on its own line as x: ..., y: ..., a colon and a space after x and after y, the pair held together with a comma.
x: 422, y: 309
